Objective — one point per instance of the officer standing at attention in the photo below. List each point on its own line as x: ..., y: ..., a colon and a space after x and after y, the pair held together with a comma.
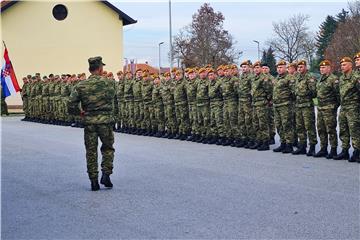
x: 97, y: 96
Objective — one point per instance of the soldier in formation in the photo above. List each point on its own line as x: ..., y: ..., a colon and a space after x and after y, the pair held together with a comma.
x: 222, y: 106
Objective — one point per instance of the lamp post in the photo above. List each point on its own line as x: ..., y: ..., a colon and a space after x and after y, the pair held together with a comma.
x: 170, y: 37
x: 258, y: 44
x: 160, y: 57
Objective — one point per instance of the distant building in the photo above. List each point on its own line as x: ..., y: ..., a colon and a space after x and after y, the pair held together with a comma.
x: 134, y: 66
x: 58, y: 37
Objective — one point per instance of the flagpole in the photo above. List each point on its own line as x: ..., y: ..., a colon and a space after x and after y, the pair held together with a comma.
x: 4, y: 43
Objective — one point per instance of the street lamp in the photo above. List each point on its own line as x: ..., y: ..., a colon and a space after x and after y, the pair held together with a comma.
x: 170, y: 36
x: 258, y: 44
x: 160, y: 57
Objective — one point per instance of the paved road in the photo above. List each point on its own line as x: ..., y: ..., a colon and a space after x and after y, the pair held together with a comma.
x: 170, y: 189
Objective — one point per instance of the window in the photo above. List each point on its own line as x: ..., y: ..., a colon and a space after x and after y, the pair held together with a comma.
x: 60, y: 12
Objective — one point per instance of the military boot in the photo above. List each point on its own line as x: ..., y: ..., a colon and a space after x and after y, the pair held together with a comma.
x: 105, y: 180
x: 190, y: 137
x: 287, y: 149
x: 332, y: 153
x: 355, y: 156
x: 255, y: 145
x: 280, y: 148
x: 241, y: 143
x: 272, y: 141
x: 300, y: 151
x: 94, y: 184
x: 344, y: 155
x: 311, y: 151
x: 322, y: 153
x: 264, y: 146
x: 249, y: 144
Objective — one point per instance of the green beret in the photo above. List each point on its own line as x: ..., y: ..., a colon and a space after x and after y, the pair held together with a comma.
x: 96, y: 62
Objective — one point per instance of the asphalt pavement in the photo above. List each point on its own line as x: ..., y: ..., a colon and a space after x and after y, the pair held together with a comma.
x: 169, y: 189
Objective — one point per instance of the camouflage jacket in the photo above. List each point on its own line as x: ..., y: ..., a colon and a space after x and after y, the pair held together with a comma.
x: 202, y: 91
x: 97, y: 96
x: 228, y: 88
x: 167, y: 91
x: 350, y: 90
x: 45, y: 89
x: 327, y: 91
x: 244, y: 87
x: 25, y: 91
x: 65, y: 90
x: 305, y: 90
x: 57, y: 89
x: 261, y: 90
x: 137, y: 88
x: 215, y: 93
x: 120, y: 93
x: 180, y: 92
x: 156, y: 95
x: 282, y: 92
x: 191, y: 88
x: 128, y: 90
x: 147, y: 87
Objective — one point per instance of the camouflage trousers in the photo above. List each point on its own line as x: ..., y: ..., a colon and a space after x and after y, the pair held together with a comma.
x: 349, y: 124
x: 182, y: 117
x: 91, y: 135
x: 4, y: 107
x: 26, y: 107
x: 129, y: 114
x: 121, y: 114
x: 216, y: 119
x: 326, y: 126
x: 158, y: 118
x: 284, y: 124
x: 146, y: 113
x: 245, y: 120
x: 138, y: 114
x: 46, y: 108
x: 305, y: 125
x: 261, y: 122
x: 230, y: 116
x: 271, y: 121
x: 170, y: 119
x: 203, y: 117
x: 193, y: 118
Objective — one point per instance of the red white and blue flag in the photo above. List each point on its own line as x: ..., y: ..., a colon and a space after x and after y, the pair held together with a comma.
x: 9, y: 82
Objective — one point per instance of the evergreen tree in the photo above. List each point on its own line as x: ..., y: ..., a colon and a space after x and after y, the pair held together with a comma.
x: 268, y: 57
x: 327, y: 29
x: 341, y: 16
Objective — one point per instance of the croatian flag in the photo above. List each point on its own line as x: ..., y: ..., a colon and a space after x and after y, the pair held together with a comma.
x: 9, y: 82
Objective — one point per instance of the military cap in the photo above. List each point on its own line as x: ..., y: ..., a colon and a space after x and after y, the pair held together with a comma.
x: 207, y: 66
x: 226, y: 67
x: 139, y: 69
x: 246, y: 62
x: 28, y: 76
x: 191, y: 71
x: 325, y: 63
x: 33, y: 77
x: 202, y: 70
x: 187, y: 70
x: 345, y: 59
x: 145, y: 73
x: 127, y: 72
x: 167, y: 74
x: 281, y: 62
x: 257, y: 63
x: 302, y: 62
x: 119, y: 72
x: 211, y: 70
x: 233, y: 66
x: 196, y: 69
x: 357, y: 55
x: 178, y: 72
x: 293, y: 64
x: 37, y: 74
x: 221, y: 67
x: 174, y: 70
x: 96, y: 62
x: 45, y: 77
x: 154, y: 75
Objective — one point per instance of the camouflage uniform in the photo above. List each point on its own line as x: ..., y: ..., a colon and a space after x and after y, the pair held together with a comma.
x: 45, y: 101
x: 283, y: 102
x: 57, y: 101
x: 261, y: 93
x: 167, y: 93
x: 246, y: 132
x: 191, y: 88
x: 97, y: 96
x: 271, y: 113
x: 328, y: 102
x: 121, y: 103
x: 305, y: 91
x: 52, y: 101
x: 216, y: 110
x: 203, y: 107
x: 230, y: 107
x: 147, y: 87
x: 349, y: 120
x: 158, y: 117
x: 181, y: 108
x: 129, y: 104
x: 65, y: 93
x: 138, y: 103
x: 25, y: 98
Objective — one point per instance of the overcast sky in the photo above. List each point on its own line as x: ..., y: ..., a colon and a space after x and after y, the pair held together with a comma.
x: 246, y: 21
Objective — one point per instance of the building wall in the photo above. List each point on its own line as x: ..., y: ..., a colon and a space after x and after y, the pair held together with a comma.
x: 37, y: 42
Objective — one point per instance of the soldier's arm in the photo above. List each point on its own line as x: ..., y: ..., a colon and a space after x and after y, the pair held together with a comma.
x: 312, y: 86
x: 73, y: 104
x: 337, y: 90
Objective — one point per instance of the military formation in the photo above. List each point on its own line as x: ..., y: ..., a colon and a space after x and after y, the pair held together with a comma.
x: 227, y: 105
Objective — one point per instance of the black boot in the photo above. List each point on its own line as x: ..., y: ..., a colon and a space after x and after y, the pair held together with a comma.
x: 190, y: 137
x: 213, y: 140
x: 94, y: 184
x: 344, y: 155
x: 272, y: 141
x: 264, y: 146
x: 332, y: 153
x: 255, y: 145
x: 300, y: 151
x: 287, y: 149
x: 177, y: 136
x: 249, y: 144
x: 322, y: 153
x: 183, y: 137
x: 240, y: 143
x: 295, y: 143
x: 311, y: 151
x: 355, y: 157
x: 220, y: 141
x: 280, y: 148
x: 105, y: 180
x: 226, y: 142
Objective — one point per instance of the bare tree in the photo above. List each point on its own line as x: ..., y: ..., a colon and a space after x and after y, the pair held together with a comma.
x: 292, y: 39
x: 205, y: 41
